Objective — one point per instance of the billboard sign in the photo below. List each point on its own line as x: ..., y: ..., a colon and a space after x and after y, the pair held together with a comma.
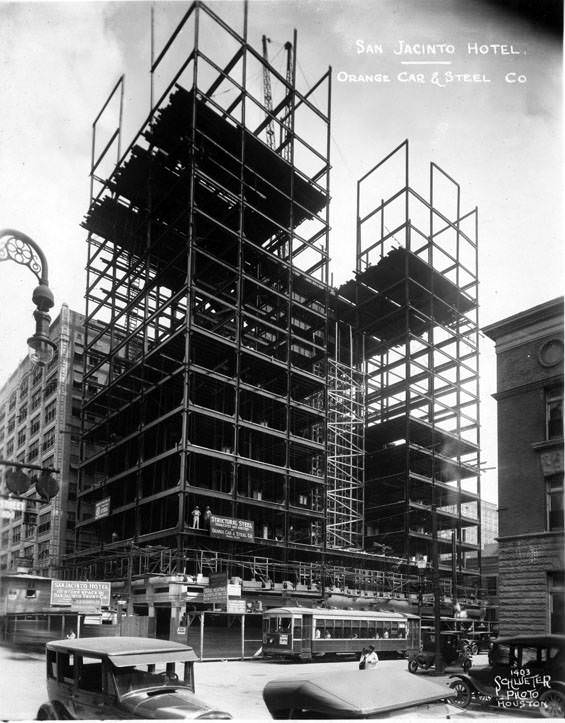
x: 102, y: 508
x: 217, y: 590
x: 230, y: 528
x: 11, y: 504
x: 70, y: 592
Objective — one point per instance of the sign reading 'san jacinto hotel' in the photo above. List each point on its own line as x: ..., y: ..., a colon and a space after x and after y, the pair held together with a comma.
x: 68, y: 592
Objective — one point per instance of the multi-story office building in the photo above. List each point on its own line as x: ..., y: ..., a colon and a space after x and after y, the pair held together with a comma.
x: 331, y: 433
x: 489, y: 524
x: 40, y: 425
x: 529, y: 351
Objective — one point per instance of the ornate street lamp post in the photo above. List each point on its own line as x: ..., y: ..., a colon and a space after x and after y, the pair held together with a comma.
x: 16, y: 246
x: 421, y: 563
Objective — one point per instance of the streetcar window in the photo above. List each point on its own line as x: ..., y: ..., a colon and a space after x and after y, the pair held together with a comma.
x: 394, y: 630
x: 284, y: 624
x: 380, y: 630
x: 347, y: 629
x: 338, y: 629
x: 297, y: 631
x: 364, y: 628
x: 355, y: 628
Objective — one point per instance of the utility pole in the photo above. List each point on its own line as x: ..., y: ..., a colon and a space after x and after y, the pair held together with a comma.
x: 129, y: 608
x: 439, y: 663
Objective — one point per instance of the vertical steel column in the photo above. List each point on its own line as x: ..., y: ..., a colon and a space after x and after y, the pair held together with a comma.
x: 192, y: 159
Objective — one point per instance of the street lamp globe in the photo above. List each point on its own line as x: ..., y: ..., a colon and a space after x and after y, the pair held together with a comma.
x: 41, y: 350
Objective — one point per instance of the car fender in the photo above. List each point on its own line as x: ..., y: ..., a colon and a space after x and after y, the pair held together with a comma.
x: 468, y: 679
x: 53, y: 710
x: 558, y: 685
x: 62, y: 712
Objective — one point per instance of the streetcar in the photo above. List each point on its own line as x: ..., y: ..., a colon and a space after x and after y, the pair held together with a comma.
x: 306, y: 633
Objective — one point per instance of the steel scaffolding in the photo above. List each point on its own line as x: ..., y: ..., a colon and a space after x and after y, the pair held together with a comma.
x: 207, y: 284
x: 417, y: 285
x: 346, y: 454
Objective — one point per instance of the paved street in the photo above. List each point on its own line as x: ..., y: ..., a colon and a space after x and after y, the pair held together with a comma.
x: 234, y: 686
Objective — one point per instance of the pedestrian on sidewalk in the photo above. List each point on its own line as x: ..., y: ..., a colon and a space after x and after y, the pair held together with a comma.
x: 363, y: 659
x: 371, y: 659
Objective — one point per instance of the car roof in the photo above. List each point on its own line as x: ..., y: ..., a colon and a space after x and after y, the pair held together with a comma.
x: 354, y: 693
x: 545, y: 640
x: 125, y: 650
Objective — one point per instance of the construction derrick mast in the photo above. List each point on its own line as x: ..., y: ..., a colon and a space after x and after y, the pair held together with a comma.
x: 267, y: 92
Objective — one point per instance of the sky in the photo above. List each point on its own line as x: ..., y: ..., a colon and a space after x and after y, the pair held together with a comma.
x: 498, y: 134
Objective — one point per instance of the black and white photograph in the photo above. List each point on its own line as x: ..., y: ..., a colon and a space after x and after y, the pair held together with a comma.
x: 281, y: 359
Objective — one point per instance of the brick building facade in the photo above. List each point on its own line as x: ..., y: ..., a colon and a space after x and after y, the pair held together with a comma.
x: 529, y: 349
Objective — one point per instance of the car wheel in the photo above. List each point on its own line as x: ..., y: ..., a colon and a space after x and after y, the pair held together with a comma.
x: 413, y: 665
x: 463, y: 693
x: 46, y: 712
x: 552, y: 704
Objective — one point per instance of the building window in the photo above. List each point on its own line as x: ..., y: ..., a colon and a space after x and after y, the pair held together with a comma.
x: 554, y: 414
x: 23, y: 387
x: 37, y: 375
x: 48, y: 440
x: 50, y: 386
x: 491, y: 585
x: 16, y: 535
x: 21, y: 438
x: 36, y: 399
x: 556, y: 590
x: 34, y: 425
x: 44, y: 523
x: 33, y: 450
x: 22, y: 415
x: 554, y: 502
x: 11, y: 424
x: 43, y: 552
x: 10, y: 448
x: 50, y: 411
x: 12, y: 402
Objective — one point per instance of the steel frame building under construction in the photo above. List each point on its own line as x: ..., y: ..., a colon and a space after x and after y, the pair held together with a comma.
x: 333, y: 422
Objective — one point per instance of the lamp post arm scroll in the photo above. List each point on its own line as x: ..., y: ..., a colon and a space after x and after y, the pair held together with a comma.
x: 20, y: 248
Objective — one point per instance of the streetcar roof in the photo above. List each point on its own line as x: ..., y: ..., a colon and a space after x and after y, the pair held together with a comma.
x: 328, y: 613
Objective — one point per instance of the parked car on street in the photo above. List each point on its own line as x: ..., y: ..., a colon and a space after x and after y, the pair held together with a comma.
x: 455, y: 650
x: 358, y: 694
x: 122, y: 677
x: 525, y: 672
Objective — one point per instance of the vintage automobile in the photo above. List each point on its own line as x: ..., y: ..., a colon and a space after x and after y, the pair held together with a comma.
x: 122, y: 677
x: 358, y: 694
x: 525, y: 672
x: 455, y: 650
